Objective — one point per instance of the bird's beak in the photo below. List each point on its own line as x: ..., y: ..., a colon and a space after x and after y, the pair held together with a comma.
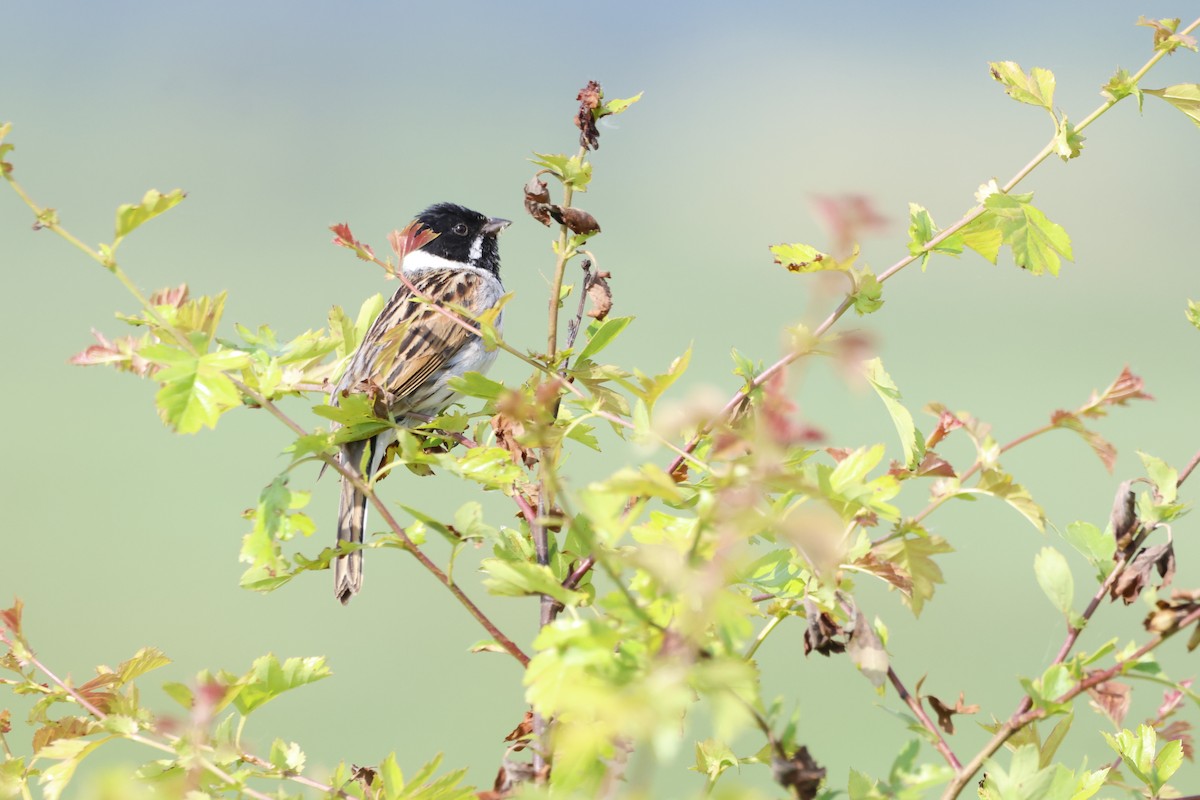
x: 495, y: 225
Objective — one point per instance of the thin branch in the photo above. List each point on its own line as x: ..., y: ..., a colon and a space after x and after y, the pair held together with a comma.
x: 275, y: 411
x: 914, y: 703
x: 564, y: 238
x: 743, y: 394
x: 1191, y: 465
x: 166, y: 748
x: 1019, y: 721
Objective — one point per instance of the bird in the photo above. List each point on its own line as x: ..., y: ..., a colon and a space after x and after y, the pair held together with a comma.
x: 412, y: 350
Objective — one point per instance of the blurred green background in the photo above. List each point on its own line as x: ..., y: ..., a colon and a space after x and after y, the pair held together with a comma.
x: 280, y: 118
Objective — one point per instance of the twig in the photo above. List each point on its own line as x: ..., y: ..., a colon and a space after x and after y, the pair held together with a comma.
x: 574, y: 324
x: 743, y: 394
x: 1019, y: 721
x: 914, y: 703
x: 166, y: 748
x: 1191, y: 465
x: 564, y: 238
x: 275, y: 411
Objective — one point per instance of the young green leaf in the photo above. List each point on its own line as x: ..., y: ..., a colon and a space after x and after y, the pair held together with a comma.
x: 1054, y: 576
x: 1164, y: 477
x: 1184, y: 96
x: 1036, y: 88
x: 911, y: 440
x: 921, y: 229
x: 267, y: 679
x: 474, y: 384
x: 1097, y: 547
x: 153, y: 203
x: 601, y: 335
x: 1036, y: 242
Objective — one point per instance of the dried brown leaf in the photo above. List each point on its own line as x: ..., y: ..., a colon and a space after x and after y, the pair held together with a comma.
x: 589, y: 98
x: 799, y: 774
x: 600, y: 295
x: 576, y: 219
x: 945, y: 713
x: 823, y: 632
x: 537, y: 199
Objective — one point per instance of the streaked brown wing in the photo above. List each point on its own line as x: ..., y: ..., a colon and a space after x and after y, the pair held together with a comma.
x: 411, y: 340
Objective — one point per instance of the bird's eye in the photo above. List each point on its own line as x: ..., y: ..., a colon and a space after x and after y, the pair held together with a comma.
x: 460, y: 229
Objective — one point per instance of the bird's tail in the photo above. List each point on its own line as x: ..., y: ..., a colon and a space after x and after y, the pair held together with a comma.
x: 352, y: 515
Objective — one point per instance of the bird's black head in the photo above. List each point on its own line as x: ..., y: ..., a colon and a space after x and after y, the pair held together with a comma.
x: 464, y: 236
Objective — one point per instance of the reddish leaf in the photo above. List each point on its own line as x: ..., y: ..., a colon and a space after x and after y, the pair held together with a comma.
x: 1112, y: 698
x: 1172, y: 698
x: 342, y: 237
x: 65, y: 728
x: 946, y: 423
x: 1180, y: 731
x: 1126, y: 387
x: 170, y: 297
x: 121, y: 353
x: 412, y: 236
x: 887, y: 571
x: 847, y: 218
x: 10, y: 618
x: 5, y: 721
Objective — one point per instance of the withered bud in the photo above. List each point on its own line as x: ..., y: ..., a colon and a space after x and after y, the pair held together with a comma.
x: 536, y: 198
x: 601, y: 296
x: 589, y: 98
x: 1124, y: 516
x: 576, y: 219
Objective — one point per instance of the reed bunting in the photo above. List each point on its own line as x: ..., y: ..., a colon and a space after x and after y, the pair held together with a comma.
x: 412, y: 350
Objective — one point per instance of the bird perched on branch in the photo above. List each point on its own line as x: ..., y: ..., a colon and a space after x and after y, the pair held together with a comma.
x: 414, y: 348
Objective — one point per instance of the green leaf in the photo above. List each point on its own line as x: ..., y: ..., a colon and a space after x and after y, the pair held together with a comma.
x: 287, y: 756
x: 1036, y: 242
x: 511, y: 578
x: 1023, y: 780
x: 1000, y: 485
x: 194, y: 391
x: 914, y: 555
x: 982, y: 236
x: 1120, y: 86
x: 921, y: 229
x: 1097, y: 547
x: 572, y: 170
x: 1054, y: 576
x: 267, y: 679
x: 1193, y: 314
x: 145, y: 660
x: 153, y: 203
x: 601, y: 335
x: 474, y: 384
x: 911, y: 440
x: 868, y: 292
x: 713, y: 757
x: 1068, y: 142
x: 1036, y: 88
x: 1184, y: 96
x: 804, y: 258
x: 616, y: 106
x: 1165, y: 478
